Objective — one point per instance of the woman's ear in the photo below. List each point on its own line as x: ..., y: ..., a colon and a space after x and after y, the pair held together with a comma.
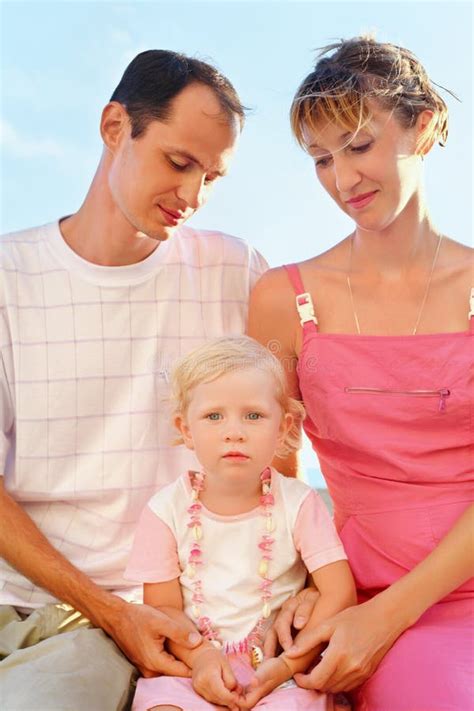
x: 182, y: 426
x: 425, y: 137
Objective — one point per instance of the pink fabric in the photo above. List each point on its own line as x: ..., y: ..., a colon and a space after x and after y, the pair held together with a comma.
x: 179, y: 692
x: 314, y: 537
x: 154, y: 554
x: 399, y: 468
x: 314, y: 534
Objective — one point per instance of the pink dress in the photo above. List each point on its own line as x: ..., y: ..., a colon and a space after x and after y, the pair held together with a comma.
x: 390, y: 418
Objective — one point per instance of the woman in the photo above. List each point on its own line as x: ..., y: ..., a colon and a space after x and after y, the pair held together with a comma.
x: 383, y: 345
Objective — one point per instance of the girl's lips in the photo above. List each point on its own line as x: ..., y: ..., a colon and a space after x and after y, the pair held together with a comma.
x: 235, y: 455
x: 361, y: 200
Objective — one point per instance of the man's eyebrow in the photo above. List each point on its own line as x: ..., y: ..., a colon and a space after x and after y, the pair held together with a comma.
x: 189, y: 156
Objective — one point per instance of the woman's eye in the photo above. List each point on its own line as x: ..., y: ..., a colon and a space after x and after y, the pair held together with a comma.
x: 322, y: 162
x: 254, y: 416
x: 361, y: 149
x: 213, y: 416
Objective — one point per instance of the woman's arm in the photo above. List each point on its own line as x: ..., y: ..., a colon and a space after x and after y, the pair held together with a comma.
x: 359, y: 637
x: 272, y: 322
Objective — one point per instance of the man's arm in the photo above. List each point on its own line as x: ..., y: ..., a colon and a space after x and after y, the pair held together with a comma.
x: 139, y: 630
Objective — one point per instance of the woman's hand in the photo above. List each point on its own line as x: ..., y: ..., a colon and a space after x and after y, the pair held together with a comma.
x: 295, y: 613
x: 214, y: 680
x: 359, y: 637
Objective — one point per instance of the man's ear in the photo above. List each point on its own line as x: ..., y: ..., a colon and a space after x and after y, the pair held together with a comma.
x: 181, y: 425
x: 114, y: 124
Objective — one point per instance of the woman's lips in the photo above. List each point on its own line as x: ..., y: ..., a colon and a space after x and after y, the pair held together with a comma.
x: 361, y: 200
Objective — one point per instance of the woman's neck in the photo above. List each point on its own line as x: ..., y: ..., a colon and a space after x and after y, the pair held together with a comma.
x: 407, y: 243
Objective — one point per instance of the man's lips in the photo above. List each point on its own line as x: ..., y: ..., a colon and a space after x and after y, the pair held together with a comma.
x: 171, y: 216
x: 362, y: 199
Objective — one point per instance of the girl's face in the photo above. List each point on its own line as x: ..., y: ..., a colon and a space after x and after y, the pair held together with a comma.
x: 235, y: 423
x: 373, y: 174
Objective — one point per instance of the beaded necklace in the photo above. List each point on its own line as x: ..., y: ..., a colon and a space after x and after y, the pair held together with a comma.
x: 252, y: 643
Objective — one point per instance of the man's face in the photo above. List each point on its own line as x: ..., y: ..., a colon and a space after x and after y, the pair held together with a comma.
x: 161, y: 178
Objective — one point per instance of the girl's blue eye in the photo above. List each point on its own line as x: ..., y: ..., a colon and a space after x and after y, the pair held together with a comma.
x: 213, y: 416
x: 254, y: 416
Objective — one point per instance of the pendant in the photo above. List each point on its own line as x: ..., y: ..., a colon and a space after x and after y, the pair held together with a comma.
x: 256, y: 656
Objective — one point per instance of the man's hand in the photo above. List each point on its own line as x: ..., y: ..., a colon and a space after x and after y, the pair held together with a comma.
x: 141, y: 631
x: 295, y: 612
x: 214, y: 680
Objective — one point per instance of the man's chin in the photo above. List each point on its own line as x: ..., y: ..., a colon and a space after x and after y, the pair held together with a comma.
x: 161, y: 235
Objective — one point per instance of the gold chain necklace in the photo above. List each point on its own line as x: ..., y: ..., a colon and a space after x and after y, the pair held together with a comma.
x: 425, y: 295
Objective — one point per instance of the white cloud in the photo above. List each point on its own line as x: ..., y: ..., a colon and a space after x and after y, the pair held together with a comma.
x: 12, y: 141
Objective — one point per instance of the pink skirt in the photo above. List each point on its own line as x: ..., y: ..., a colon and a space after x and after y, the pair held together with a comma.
x: 175, y: 691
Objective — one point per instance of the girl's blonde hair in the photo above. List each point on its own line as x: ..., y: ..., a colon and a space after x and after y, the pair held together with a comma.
x: 223, y: 355
x: 351, y: 73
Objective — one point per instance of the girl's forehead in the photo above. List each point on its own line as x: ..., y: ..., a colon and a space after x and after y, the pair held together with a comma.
x: 254, y: 380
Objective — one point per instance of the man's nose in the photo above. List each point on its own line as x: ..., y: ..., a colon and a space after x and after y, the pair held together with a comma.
x: 192, y: 190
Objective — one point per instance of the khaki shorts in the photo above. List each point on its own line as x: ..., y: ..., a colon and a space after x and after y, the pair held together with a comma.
x: 54, y: 660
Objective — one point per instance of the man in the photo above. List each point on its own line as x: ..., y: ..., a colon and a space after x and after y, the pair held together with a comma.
x: 94, y: 309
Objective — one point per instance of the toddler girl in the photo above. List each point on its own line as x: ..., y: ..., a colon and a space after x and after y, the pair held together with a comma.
x: 231, y: 542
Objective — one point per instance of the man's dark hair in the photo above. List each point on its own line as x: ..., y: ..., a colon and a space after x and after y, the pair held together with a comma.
x: 155, y: 77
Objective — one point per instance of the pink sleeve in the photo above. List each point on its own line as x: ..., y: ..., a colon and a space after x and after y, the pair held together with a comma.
x: 154, y: 555
x: 315, y: 535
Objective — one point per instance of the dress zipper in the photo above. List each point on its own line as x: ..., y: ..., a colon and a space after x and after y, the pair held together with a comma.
x: 442, y: 393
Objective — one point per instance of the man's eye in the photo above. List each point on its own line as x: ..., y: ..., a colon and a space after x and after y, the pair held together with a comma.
x: 213, y: 416
x: 177, y: 166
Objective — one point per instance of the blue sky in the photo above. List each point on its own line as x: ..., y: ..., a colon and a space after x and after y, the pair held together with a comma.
x: 60, y: 62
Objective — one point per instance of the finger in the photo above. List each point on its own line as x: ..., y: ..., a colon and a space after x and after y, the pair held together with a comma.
x: 166, y: 664
x: 270, y: 644
x: 219, y: 693
x: 310, y: 639
x: 164, y: 626
x: 228, y: 676
x: 321, y: 676
x: 304, y: 611
x: 283, y: 624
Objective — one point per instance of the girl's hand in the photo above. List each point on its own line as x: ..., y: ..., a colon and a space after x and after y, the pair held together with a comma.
x: 270, y: 674
x: 359, y: 637
x: 214, y: 680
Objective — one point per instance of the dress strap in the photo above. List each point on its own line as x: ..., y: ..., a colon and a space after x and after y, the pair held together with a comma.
x: 304, y: 302
x: 471, y: 311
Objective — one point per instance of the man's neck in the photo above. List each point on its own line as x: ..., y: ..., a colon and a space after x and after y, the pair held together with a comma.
x: 99, y: 233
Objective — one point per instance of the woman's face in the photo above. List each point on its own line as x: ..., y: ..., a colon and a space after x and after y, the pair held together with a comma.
x: 372, y: 174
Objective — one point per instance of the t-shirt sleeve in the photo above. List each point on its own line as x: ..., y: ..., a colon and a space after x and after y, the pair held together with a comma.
x: 154, y: 555
x: 315, y: 535
x: 258, y: 266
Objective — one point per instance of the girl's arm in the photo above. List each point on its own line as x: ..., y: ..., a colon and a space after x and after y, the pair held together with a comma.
x: 337, y: 591
x: 212, y: 675
x: 360, y: 637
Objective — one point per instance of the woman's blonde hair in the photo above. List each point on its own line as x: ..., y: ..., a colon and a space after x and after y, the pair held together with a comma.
x: 349, y: 74
x: 223, y: 355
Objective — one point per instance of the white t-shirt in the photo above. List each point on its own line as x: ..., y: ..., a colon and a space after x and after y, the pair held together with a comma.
x: 305, y: 539
x: 85, y: 357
